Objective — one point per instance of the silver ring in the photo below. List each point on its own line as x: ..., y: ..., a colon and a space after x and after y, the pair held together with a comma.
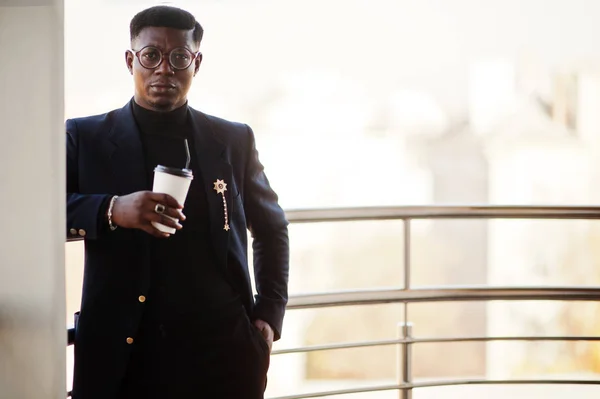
x: 159, y: 208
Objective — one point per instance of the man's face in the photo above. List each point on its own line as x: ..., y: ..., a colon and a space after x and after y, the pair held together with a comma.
x: 162, y: 88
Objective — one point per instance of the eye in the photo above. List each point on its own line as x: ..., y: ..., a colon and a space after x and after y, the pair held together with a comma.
x: 181, y: 56
x: 150, y: 55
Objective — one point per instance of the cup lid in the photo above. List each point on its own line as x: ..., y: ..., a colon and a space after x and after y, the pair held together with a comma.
x: 187, y: 173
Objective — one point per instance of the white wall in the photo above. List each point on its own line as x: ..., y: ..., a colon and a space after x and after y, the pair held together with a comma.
x: 32, y: 202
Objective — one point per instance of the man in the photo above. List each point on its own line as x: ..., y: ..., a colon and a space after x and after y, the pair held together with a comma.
x: 172, y: 315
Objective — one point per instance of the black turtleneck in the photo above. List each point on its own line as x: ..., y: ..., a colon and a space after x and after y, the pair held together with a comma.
x: 163, y: 135
x: 187, y: 283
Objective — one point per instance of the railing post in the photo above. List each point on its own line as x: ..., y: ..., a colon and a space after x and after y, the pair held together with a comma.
x: 405, y: 359
x: 405, y: 328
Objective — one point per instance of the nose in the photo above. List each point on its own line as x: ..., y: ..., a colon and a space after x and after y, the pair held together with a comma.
x: 164, y: 68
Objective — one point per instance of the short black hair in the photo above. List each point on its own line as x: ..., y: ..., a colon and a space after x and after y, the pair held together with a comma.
x: 165, y: 17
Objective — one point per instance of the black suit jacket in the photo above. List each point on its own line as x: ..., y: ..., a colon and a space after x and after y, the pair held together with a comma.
x: 105, y: 158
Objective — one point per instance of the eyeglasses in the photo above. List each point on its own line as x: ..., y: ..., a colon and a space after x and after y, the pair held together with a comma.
x: 179, y: 58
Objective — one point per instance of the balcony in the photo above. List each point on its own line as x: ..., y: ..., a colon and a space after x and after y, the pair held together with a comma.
x: 436, y: 102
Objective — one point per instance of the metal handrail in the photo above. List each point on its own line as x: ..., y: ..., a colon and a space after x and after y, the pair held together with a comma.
x: 435, y: 340
x: 442, y: 212
x: 436, y: 212
x: 406, y: 294
x: 458, y: 294
x: 432, y: 384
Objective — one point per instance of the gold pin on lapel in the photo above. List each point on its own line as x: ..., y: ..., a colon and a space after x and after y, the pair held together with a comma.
x: 220, y: 187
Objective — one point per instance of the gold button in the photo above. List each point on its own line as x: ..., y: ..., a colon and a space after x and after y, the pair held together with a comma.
x: 142, y: 298
x: 82, y: 232
x: 73, y: 232
x: 129, y: 340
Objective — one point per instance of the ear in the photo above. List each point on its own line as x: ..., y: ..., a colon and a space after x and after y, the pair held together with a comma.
x: 197, y: 63
x: 129, y: 58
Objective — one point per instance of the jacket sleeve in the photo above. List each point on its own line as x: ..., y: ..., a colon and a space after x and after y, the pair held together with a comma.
x: 269, y: 228
x: 84, y: 211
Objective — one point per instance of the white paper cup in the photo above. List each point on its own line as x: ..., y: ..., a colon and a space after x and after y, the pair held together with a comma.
x: 175, y: 182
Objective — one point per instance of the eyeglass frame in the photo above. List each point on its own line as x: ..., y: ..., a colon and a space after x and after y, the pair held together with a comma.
x: 162, y: 57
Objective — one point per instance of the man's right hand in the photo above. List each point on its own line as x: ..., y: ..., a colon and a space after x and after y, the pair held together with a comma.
x: 137, y: 211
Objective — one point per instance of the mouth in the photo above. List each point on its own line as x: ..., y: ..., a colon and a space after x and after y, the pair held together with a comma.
x: 163, y: 87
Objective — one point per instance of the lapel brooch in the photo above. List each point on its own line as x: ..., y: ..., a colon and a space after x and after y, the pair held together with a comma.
x: 220, y: 188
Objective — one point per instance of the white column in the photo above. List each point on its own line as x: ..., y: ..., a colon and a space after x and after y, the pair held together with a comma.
x: 32, y: 200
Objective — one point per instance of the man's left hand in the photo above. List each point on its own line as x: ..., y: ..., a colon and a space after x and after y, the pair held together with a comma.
x: 266, y: 331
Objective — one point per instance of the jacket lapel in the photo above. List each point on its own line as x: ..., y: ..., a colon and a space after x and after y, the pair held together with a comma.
x: 213, y: 166
x: 126, y: 155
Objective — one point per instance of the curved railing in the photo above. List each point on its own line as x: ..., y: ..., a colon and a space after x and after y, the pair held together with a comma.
x: 406, y: 295
x: 420, y: 295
